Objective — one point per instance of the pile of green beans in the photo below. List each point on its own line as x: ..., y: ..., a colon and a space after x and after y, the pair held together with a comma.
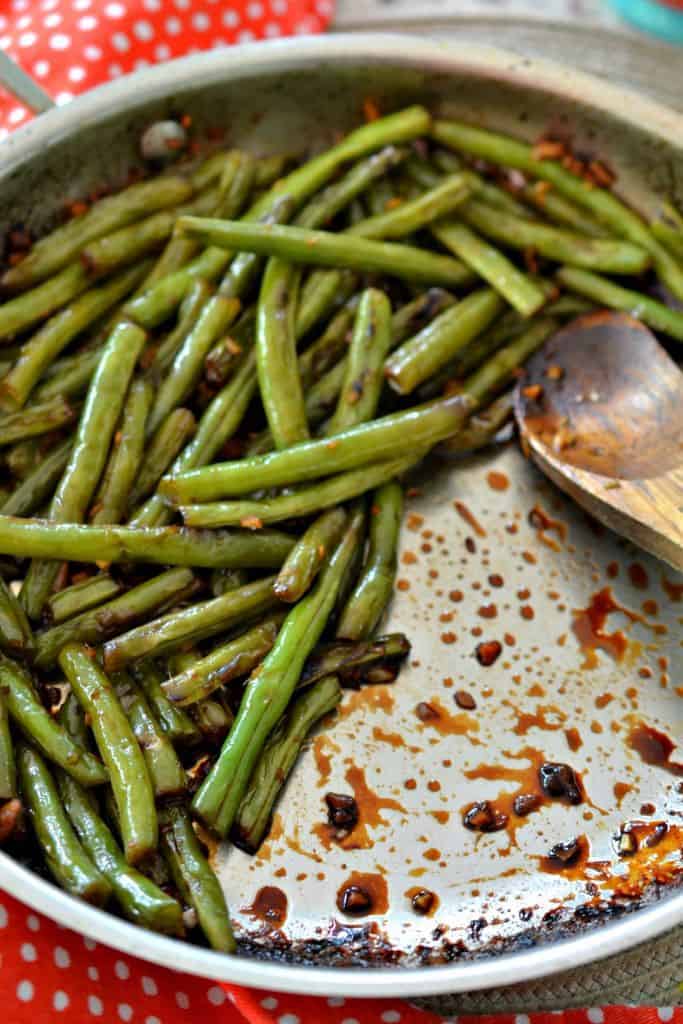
x: 211, y: 386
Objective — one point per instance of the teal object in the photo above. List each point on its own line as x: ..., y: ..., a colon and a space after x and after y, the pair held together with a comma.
x: 659, y: 18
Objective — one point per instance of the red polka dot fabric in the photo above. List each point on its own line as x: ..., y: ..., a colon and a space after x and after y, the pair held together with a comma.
x: 49, y: 974
x: 69, y: 46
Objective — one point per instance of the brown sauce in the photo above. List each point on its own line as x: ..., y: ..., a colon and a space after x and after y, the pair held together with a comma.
x: 323, y: 747
x: 269, y: 906
x: 435, y: 716
x: 393, y: 739
x: 545, y: 524
x: 363, y: 894
x: 464, y: 513
x: 654, y: 747
x: 638, y: 576
x: 573, y: 738
x: 674, y: 591
x: 621, y: 789
x: 377, y: 697
x: 369, y: 806
x: 497, y: 481
x: 488, y: 652
x: 423, y: 901
x: 589, y: 627
x: 546, y: 716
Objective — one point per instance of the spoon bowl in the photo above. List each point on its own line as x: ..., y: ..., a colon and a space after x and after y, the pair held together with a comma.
x: 600, y: 410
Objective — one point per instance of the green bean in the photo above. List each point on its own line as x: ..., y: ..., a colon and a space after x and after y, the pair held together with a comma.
x: 605, y: 207
x: 518, y: 288
x: 64, y: 855
x: 306, y: 558
x: 228, y: 661
x: 98, y: 624
x: 414, y: 214
x: 353, y: 661
x: 279, y: 382
x: 41, y: 350
x: 379, y: 196
x: 277, y: 759
x: 165, y: 770
x: 125, y: 457
x: 198, y: 294
x: 363, y: 379
x: 422, y: 173
x: 332, y: 344
x: 270, y: 169
x: 321, y: 248
x: 72, y: 717
x: 172, y: 435
x: 569, y: 305
x: 42, y: 301
x: 672, y: 238
x: 268, y: 693
x: 305, y: 500
x: 483, y: 428
x: 374, y: 589
x: 71, y: 381
x: 218, y: 423
x: 36, y: 420
x: 638, y: 305
x: 193, y: 873
x: 32, y: 717
x: 163, y: 297
x: 427, y: 352
x: 125, y: 246
x: 330, y: 201
x: 374, y: 441
x: 308, y: 179
x: 8, y: 771
x: 38, y: 538
x: 62, y: 245
x: 483, y: 385
x: 613, y: 255
x: 93, y: 436
x: 16, y: 636
x: 561, y: 210
x: 321, y: 293
x: 415, y: 315
x: 222, y: 360
x: 118, y: 747
x: 140, y: 900
x: 223, y: 580
x: 38, y: 485
x: 202, y: 620
x: 174, y: 722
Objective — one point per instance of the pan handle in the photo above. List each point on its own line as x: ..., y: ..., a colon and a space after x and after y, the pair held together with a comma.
x: 22, y: 85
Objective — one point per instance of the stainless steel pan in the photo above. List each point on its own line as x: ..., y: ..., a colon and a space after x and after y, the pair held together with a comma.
x: 500, y: 920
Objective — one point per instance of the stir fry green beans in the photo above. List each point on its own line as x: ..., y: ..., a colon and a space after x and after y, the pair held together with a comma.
x: 125, y: 457
x: 370, y: 343
x: 306, y: 558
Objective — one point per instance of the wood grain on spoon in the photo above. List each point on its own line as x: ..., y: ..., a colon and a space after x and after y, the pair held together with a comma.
x: 600, y: 409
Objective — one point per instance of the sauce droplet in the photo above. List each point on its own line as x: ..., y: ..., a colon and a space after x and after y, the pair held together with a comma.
x: 497, y: 481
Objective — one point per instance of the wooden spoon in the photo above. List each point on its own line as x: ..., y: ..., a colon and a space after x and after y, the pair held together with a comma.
x: 600, y: 410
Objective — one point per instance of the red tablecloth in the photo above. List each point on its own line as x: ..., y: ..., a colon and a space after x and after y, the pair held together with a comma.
x: 48, y: 973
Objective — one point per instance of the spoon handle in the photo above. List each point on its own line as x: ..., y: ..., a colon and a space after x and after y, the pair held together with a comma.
x: 22, y: 85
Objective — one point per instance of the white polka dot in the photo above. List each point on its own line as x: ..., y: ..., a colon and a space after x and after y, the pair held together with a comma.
x: 254, y: 10
x: 140, y: 63
x: 52, y: 20
x: 88, y: 22
x: 183, y: 1000
x: 152, y: 1020
x: 25, y: 991
x: 114, y: 70
x: 5, y: 42
x: 19, y: 5
x: 390, y: 1017
x: 201, y: 21
x: 143, y: 30
x: 269, y: 1003
x: 151, y: 5
x: 521, y: 1018
x: 59, y: 41
x: 93, y: 973
x: 272, y: 30
x: 3, y: 916
x: 92, y: 52
x: 289, y: 1018
x: 63, y: 97
x: 231, y: 18
x: 27, y: 38
x: 125, y: 1011
x: 24, y: 21
x: 350, y: 1020
x: 3, y: 22
x: 182, y: 5
x: 245, y: 36
x: 665, y: 1013
x: 216, y: 996
x: 149, y: 986
x: 114, y: 10
x: 173, y: 26
x: 60, y: 1000
x: 162, y: 51
x: 95, y: 1006
x: 41, y: 68
x: 82, y: 5
x: 595, y: 1015
x: 121, y: 970
x: 76, y: 74
x: 16, y: 115
x: 336, y: 1001
x: 120, y: 42
x: 279, y: 6
x: 28, y: 952
x: 61, y: 957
